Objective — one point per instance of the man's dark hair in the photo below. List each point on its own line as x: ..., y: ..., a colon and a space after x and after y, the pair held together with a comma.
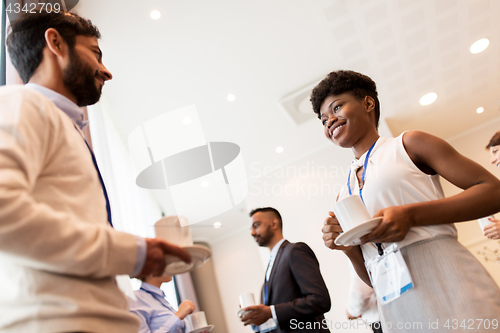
x: 340, y: 82
x: 27, y: 38
x: 268, y: 210
x: 494, y: 141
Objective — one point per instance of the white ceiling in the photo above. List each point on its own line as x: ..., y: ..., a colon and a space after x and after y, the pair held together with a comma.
x: 262, y: 50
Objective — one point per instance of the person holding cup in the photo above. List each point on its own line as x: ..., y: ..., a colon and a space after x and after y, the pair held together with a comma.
x: 154, y: 311
x: 398, y: 180
x: 294, y: 295
x: 492, y: 229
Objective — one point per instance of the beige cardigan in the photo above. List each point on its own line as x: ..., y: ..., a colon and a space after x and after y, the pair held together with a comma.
x: 58, y: 255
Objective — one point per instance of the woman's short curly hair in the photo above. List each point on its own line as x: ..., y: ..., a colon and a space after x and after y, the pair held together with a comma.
x: 343, y: 81
x: 494, y: 141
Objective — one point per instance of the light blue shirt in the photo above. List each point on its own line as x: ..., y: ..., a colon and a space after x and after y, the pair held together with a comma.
x: 154, y: 311
x: 74, y: 112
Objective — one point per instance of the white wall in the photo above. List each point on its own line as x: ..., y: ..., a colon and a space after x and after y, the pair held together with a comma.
x: 238, y: 270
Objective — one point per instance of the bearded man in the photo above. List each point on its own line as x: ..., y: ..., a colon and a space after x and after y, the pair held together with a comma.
x: 294, y: 294
x: 58, y: 251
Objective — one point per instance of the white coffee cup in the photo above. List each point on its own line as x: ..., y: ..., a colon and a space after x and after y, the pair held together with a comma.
x: 351, y: 212
x: 247, y: 300
x: 483, y: 222
x: 198, y: 320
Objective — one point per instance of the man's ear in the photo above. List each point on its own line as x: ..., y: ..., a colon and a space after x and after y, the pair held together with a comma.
x: 55, y: 42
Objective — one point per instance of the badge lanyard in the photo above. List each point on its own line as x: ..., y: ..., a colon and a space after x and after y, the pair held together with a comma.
x: 363, y: 176
x: 365, y: 167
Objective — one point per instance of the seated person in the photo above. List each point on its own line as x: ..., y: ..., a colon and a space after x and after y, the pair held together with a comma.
x: 155, y: 312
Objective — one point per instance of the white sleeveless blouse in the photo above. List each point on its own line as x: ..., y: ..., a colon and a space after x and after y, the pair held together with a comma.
x: 392, y: 179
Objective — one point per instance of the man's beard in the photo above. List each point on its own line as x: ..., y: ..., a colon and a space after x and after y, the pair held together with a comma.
x: 263, y: 240
x: 80, y: 81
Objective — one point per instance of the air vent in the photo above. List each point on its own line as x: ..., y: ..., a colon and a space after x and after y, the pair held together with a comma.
x: 297, y: 105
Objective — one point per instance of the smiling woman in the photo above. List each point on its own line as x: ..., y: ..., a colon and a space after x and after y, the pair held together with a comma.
x: 398, y: 181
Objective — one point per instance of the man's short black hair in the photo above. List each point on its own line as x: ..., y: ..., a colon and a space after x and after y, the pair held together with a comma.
x: 340, y: 82
x: 269, y: 210
x: 27, y: 38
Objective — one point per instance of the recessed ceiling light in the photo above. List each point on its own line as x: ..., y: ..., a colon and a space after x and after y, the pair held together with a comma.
x: 155, y: 14
x: 187, y: 121
x: 279, y: 150
x: 428, y: 98
x: 217, y: 225
x: 231, y: 97
x: 479, y: 46
x: 205, y: 184
x: 480, y: 110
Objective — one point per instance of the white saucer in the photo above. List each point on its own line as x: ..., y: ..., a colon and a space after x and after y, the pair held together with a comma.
x: 203, y: 329
x: 352, y: 237
x: 199, y: 255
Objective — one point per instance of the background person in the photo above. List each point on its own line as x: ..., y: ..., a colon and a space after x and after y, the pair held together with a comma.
x: 156, y: 314
x: 294, y: 290
x: 362, y: 303
x: 398, y: 178
x: 492, y: 230
x: 58, y: 252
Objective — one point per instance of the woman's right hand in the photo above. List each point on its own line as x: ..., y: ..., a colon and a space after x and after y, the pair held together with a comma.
x: 492, y: 230
x: 332, y: 230
x: 185, y: 308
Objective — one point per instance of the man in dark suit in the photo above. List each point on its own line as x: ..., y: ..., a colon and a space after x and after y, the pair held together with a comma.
x: 294, y: 295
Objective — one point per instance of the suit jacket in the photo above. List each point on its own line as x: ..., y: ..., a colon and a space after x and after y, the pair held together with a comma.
x: 297, y: 290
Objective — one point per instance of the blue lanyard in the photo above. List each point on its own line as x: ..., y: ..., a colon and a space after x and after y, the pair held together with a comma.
x: 365, y: 166
x: 265, y: 283
x: 364, y: 173
x: 265, y: 293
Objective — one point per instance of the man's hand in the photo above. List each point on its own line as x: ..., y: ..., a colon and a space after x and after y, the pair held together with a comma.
x: 155, y: 256
x: 258, y: 314
x: 185, y: 308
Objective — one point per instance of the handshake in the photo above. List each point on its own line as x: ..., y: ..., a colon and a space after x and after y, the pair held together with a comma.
x: 156, y: 251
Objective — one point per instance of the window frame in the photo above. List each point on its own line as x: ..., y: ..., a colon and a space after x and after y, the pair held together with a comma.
x: 3, y: 56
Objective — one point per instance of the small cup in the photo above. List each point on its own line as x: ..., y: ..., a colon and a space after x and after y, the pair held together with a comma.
x: 198, y: 320
x: 483, y: 222
x: 351, y: 212
x: 247, y: 300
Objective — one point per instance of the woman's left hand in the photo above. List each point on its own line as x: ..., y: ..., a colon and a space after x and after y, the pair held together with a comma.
x: 492, y: 230
x: 395, y: 224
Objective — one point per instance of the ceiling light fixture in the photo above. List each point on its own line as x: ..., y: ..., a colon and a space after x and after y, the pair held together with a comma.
x: 231, y: 97
x: 480, y: 110
x: 279, y: 150
x: 155, y: 14
x: 217, y: 225
x: 428, y: 98
x: 479, y: 46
